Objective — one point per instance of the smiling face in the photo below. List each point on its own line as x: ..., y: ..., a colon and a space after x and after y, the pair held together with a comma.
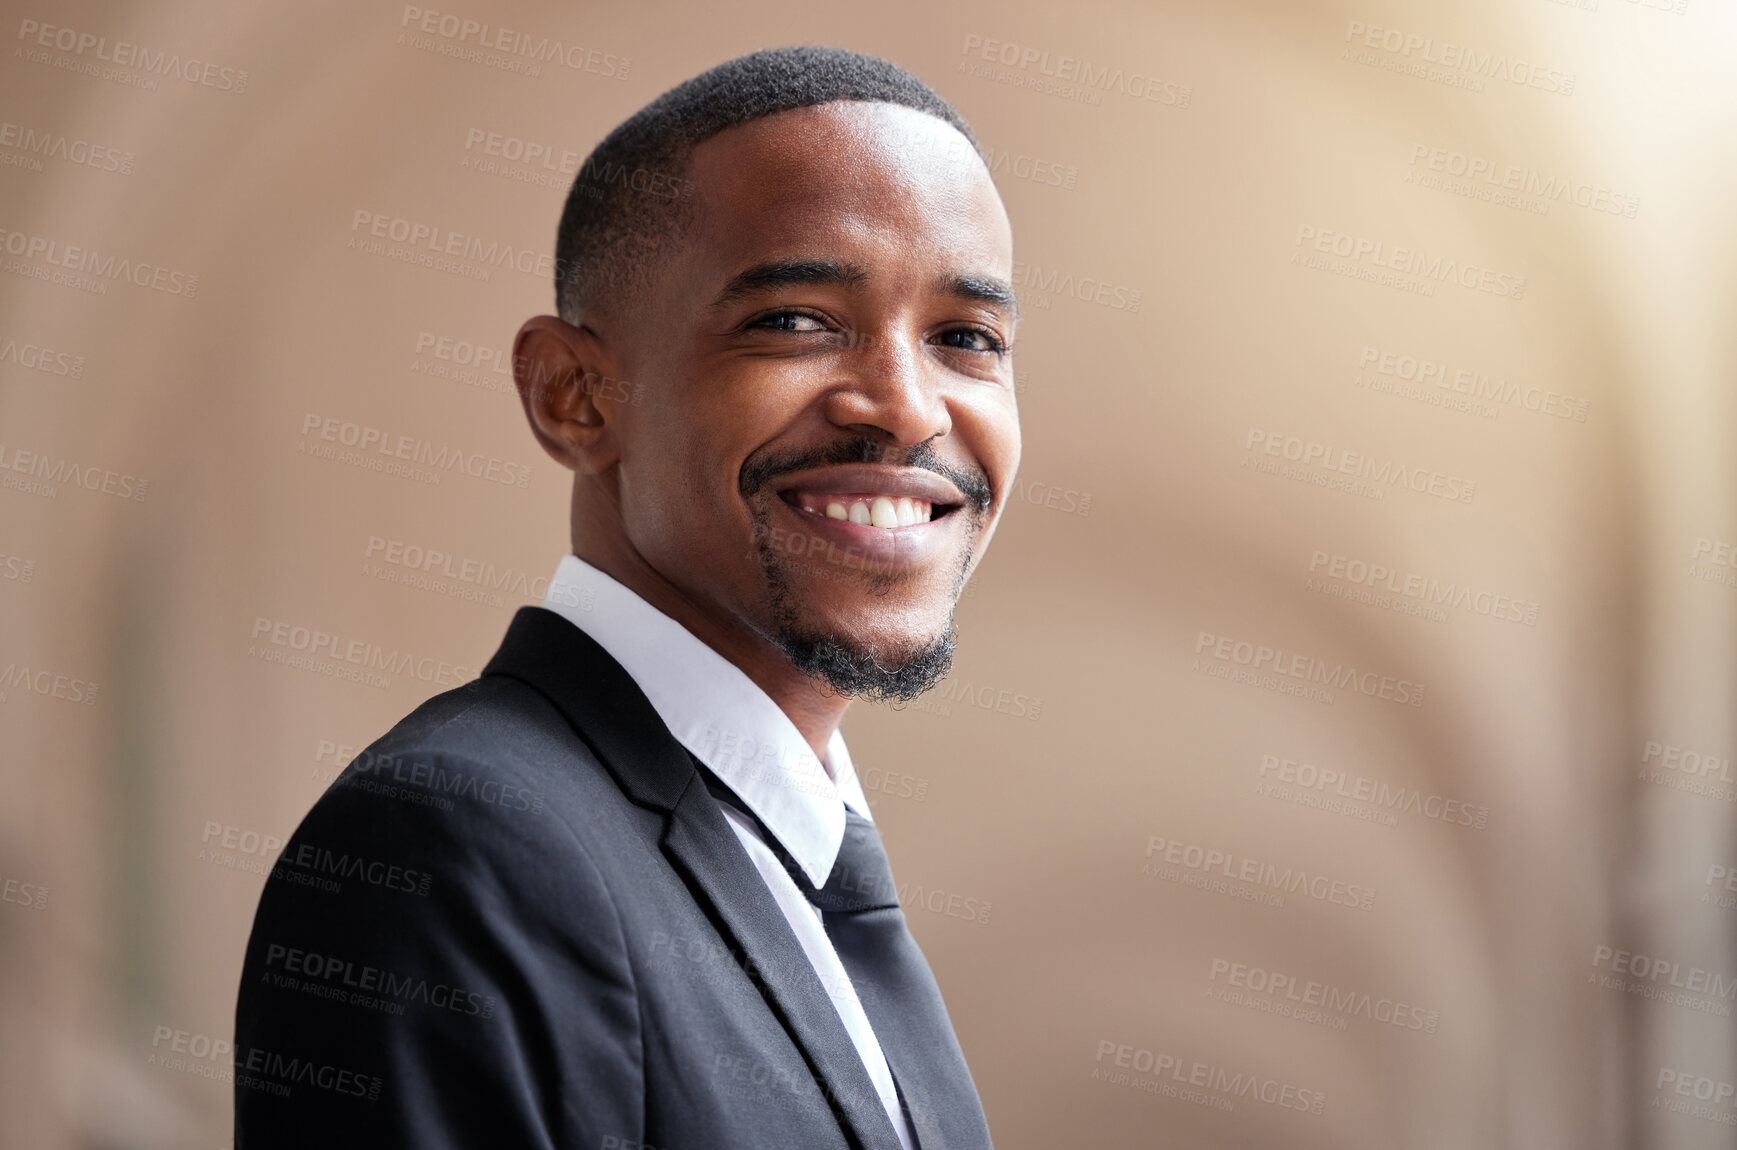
x: 828, y: 432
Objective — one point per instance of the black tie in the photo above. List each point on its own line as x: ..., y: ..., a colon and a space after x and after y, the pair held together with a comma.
x: 860, y: 906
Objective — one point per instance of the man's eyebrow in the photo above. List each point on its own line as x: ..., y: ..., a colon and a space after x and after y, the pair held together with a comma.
x: 982, y: 289
x: 774, y: 274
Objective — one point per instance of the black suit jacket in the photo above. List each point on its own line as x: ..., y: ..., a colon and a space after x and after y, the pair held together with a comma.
x: 520, y: 919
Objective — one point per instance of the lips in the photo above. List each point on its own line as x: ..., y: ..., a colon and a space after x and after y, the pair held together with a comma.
x: 889, y: 515
x: 914, y: 482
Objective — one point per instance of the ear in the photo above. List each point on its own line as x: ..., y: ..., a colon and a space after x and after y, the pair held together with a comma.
x: 564, y: 375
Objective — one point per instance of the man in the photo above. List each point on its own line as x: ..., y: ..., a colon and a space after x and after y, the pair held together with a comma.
x: 624, y: 889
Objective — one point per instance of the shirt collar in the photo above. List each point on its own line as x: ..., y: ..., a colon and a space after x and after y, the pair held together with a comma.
x: 720, y: 715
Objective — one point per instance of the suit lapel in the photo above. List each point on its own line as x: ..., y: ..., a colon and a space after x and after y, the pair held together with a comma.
x: 704, y: 848
x: 602, y: 702
x: 613, y: 716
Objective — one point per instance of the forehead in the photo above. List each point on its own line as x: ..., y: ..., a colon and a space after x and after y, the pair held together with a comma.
x: 848, y: 178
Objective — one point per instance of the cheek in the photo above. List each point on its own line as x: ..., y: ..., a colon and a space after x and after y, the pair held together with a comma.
x: 991, y: 431
x: 687, y: 496
x: 679, y: 491
x: 1012, y: 445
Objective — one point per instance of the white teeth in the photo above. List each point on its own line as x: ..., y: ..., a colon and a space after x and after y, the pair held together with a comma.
x: 887, y: 512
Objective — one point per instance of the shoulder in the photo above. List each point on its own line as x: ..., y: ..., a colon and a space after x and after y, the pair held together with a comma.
x: 480, y: 814
x: 452, y: 883
x: 491, y: 746
x: 487, y: 779
x: 496, y: 718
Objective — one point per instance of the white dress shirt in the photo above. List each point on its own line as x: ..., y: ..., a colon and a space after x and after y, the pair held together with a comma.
x: 731, y: 725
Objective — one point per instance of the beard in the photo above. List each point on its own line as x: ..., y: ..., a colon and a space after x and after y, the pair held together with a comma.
x: 896, y: 675
x: 896, y: 671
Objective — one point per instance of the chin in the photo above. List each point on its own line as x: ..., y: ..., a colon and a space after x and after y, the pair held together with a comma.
x: 889, y: 643
x: 889, y: 667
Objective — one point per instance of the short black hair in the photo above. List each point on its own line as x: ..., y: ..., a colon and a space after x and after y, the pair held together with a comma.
x: 632, y: 192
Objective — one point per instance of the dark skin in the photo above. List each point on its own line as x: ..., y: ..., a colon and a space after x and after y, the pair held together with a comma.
x: 876, y: 308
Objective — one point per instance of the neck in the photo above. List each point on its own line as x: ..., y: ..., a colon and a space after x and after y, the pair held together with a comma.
x: 814, y: 709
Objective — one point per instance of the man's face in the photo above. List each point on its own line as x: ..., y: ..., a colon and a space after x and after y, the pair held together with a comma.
x: 830, y: 431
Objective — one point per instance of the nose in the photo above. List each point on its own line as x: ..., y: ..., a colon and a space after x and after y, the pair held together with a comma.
x: 890, y: 389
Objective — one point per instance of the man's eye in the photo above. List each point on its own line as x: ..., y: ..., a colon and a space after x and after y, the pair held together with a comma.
x: 797, y: 321
x: 973, y: 339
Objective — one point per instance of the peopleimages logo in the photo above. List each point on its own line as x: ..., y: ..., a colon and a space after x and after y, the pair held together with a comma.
x: 200, y: 1055
x: 93, y: 269
x: 1444, y: 60
x: 25, y: 894
x: 54, y: 685
x: 121, y: 54
x: 1176, y: 1076
x: 309, y: 648
x: 987, y: 698
x: 1337, y: 791
x: 1696, y: 772
x: 1519, y: 180
x: 1069, y: 74
x: 1714, y: 1098
x: 16, y: 569
x: 1360, y: 250
x: 376, y: 449
x: 516, y: 48
x: 445, y: 573
x: 36, y: 357
x: 1714, y: 551
x: 1347, y: 578
x: 1308, y: 669
x: 1295, y: 992
x: 1471, y: 389
x: 1054, y: 281
x: 477, y: 364
x: 430, y: 241
x: 278, y: 1074
x: 1649, y: 976
x: 1365, y: 474
x: 33, y: 146
x: 48, y: 471
x: 1038, y: 171
x: 1721, y: 886
x: 1266, y: 882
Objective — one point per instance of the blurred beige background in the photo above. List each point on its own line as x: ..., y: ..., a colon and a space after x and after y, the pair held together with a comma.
x: 1376, y: 355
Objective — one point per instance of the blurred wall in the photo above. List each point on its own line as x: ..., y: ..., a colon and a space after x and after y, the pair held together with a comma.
x: 1344, y: 709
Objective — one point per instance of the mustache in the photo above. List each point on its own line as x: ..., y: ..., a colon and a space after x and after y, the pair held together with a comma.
x: 761, y: 469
